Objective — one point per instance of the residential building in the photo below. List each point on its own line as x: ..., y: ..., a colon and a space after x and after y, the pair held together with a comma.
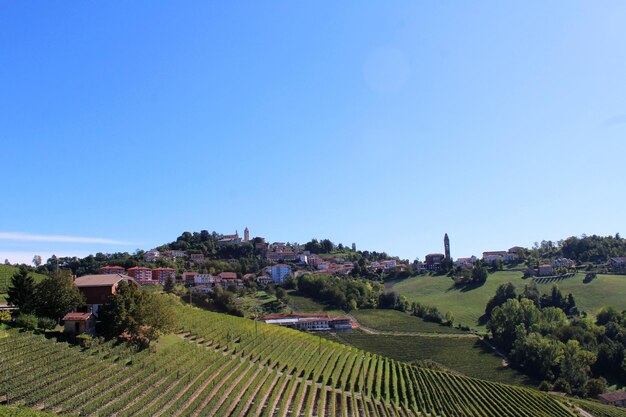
x: 279, y: 272
x: 151, y: 255
x: 618, y: 264
x: 433, y: 260
x: 564, y: 263
x: 465, y: 262
x: 303, y: 259
x: 264, y: 279
x: 517, y: 250
x: 388, y: 264
x: 79, y: 323
x: 111, y: 270
x: 197, y: 258
x: 281, y: 256
x: 205, y: 279
x: 173, y: 254
x: 163, y: 274
x: 98, y: 289
x: 189, y: 278
x: 545, y: 270
x: 141, y: 274
x: 493, y: 256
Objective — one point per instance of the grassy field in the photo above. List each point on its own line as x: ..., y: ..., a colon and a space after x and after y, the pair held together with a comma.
x: 462, y: 354
x: 468, y: 306
x: 303, y: 304
x: 397, y: 321
x: 6, y: 272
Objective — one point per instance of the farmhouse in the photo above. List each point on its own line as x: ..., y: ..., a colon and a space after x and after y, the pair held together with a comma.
x: 79, y: 323
x: 97, y: 289
x: 617, y: 398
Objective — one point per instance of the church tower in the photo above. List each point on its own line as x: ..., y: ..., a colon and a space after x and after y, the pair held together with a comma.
x: 446, y: 245
x: 246, y: 235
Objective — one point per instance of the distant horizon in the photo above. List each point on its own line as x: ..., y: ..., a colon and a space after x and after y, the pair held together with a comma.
x: 383, y: 124
x: 26, y: 257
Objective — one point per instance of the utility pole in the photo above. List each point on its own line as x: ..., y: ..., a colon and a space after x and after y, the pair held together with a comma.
x: 363, y: 375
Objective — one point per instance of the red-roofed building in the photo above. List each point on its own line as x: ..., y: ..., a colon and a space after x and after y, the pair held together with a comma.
x: 163, y: 274
x: 98, y: 289
x: 78, y: 323
x: 141, y: 274
x: 111, y: 270
x: 616, y: 398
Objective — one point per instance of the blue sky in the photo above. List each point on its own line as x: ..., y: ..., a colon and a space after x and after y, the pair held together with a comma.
x: 381, y: 123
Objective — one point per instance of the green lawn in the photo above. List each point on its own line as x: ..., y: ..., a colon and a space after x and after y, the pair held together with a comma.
x: 397, y: 321
x: 462, y: 354
x: 468, y: 306
x: 257, y: 303
x: 304, y: 304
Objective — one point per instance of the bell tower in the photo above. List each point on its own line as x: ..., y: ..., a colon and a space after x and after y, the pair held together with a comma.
x: 446, y: 246
x: 246, y: 235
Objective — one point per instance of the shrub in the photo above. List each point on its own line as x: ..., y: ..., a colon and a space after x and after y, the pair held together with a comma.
x: 545, y: 386
x: 85, y: 340
x: 27, y: 321
x: 562, y: 385
x: 46, y: 323
x: 5, y: 315
x: 595, y: 387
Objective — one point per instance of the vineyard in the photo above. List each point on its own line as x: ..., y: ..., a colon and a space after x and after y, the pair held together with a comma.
x: 221, y: 365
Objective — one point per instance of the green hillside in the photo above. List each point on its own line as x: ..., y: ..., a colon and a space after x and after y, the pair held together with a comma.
x: 6, y: 272
x: 468, y: 306
x: 466, y: 355
x: 22, y: 412
x: 222, y: 365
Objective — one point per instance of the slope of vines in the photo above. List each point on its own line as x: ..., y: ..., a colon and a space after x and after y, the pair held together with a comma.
x: 226, y: 366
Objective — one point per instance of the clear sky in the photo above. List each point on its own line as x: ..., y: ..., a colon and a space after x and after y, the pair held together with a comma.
x: 123, y: 124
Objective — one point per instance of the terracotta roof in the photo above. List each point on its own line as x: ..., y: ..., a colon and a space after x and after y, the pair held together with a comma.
x: 112, y: 267
x: 77, y: 316
x: 613, y: 396
x: 228, y: 275
x: 102, y: 280
x: 164, y: 269
x: 136, y: 268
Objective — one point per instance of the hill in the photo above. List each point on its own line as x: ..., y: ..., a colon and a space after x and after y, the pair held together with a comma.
x: 229, y: 366
x: 6, y: 272
x: 468, y: 306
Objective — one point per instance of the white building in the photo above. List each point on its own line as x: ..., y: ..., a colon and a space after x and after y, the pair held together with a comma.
x: 204, y: 279
x: 279, y: 272
x: 151, y: 255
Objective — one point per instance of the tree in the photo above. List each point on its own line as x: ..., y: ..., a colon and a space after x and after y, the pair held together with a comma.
x: 503, y: 293
x: 36, y: 260
x: 6, y: 262
x: 22, y: 291
x: 479, y: 274
x: 57, y: 295
x: 169, y: 285
x: 576, y: 366
x: 142, y: 317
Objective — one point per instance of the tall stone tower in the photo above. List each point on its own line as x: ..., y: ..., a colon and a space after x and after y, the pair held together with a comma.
x: 446, y: 245
x: 246, y: 235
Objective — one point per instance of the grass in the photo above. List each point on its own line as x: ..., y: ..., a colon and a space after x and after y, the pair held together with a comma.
x: 397, y: 321
x: 468, y: 356
x: 259, y: 302
x: 23, y: 412
x: 304, y: 304
x: 6, y: 273
x: 468, y: 306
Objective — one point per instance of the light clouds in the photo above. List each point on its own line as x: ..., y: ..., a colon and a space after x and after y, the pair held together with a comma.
x: 28, y: 237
